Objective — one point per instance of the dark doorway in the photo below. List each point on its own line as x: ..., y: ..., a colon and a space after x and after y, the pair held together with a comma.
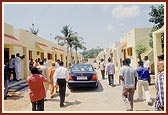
x: 6, y: 53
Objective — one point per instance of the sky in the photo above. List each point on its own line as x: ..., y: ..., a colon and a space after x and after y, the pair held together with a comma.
x: 100, y: 24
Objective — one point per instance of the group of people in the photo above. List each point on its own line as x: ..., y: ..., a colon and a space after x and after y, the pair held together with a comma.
x: 108, y: 69
x: 12, y: 67
x: 15, y: 66
x: 139, y: 78
x: 53, y: 78
x: 132, y: 79
x: 43, y: 78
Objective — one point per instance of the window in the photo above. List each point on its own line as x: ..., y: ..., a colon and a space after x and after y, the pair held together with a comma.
x: 42, y: 56
x: 61, y: 57
x: 49, y: 56
x: 30, y: 55
x: 129, y: 50
x: 55, y: 57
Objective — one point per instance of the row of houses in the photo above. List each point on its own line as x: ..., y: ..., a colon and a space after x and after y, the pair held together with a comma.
x: 125, y: 48
x: 33, y: 47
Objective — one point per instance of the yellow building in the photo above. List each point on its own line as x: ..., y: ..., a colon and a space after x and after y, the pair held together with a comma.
x: 33, y: 47
x: 157, y: 46
x: 12, y: 45
x: 129, y: 41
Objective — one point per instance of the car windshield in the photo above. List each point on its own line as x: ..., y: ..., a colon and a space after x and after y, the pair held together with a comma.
x: 82, y: 68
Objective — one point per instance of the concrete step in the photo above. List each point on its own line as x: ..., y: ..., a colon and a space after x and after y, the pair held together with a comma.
x: 16, y: 86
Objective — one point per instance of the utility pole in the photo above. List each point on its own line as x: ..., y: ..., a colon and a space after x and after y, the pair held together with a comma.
x: 98, y: 47
x: 50, y: 36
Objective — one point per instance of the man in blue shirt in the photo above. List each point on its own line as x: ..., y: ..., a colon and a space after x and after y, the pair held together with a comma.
x: 143, y: 77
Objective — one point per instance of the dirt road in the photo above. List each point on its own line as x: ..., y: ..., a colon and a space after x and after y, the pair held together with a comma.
x: 103, y: 99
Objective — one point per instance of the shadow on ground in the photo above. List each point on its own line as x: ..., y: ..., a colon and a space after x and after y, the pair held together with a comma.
x: 14, y: 97
x: 87, y: 89
x: 67, y: 103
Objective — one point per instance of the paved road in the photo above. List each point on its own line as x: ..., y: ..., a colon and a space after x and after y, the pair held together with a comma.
x: 103, y: 99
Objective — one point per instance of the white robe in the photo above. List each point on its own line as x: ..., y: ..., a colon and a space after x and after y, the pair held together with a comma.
x: 17, y: 64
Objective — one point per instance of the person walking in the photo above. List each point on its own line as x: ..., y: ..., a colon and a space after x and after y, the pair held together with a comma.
x: 143, y: 78
x: 6, y: 78
x: 12, y: 67
x: 31, y: 64
x: 44, y: 71
x: 110, y: 71
x: 57, y: 63
x: 147, y: 65
x: 51, y: 71
x: 102, y: 68
x: 129, y: 77
x: 36, y: 63
x: 159, y: 103
x: 61, y: 75
x: 121, y: 69
x: 37, y: 91
x: 18, y: 66
x: 45, y: 62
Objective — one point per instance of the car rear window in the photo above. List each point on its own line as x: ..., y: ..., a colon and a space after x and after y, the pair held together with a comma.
x: 82, y: 68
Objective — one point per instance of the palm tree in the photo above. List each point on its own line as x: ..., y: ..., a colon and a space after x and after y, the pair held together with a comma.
x: 66, y: 39
x: 78, y: 43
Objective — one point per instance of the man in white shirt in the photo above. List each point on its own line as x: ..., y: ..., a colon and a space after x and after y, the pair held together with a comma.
x: 147, y: 65
x: 17, y: 66
x: 45, y: 62
x: 57, y: 63
x: 146, y: 62
x: 44, y: 71
x: 61, y: 76
x: 110, y: 71
x: 102, y: 68
x: 12, y: 66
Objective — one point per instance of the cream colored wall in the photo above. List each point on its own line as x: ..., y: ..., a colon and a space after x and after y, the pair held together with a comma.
x: 132, y: 38
x: 157, y: 47
x: 8, y: 29
x: 29, y: 40
x: 142, y: 36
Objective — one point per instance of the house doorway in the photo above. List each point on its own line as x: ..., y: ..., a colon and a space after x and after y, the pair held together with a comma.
x: 6, y: 53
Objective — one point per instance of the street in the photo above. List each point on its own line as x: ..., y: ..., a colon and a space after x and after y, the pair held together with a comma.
x: 103, y: 99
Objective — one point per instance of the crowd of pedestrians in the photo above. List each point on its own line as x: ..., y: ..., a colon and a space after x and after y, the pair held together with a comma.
x: 15, y: 66
x: 137, y: 79
x: 54, y: 78
x: 12, y: 67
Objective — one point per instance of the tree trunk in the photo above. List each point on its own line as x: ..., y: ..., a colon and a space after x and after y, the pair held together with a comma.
x: 139, y: 57
x: 76, y: 56
x: 70, y: 56
x: 67, y: 60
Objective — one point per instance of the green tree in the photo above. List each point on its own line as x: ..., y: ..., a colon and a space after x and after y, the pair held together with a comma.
x: 157, y: 18
x: 139, y: 49
x: 78, y: 43
x: 66, y: 39
x: 92, y: 53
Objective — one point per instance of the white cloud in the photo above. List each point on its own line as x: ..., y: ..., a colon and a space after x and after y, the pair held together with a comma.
x: 123, y: 11
x: 110, y: 28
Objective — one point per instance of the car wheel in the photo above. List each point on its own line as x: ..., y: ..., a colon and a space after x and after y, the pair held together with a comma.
x: 97, y: 85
